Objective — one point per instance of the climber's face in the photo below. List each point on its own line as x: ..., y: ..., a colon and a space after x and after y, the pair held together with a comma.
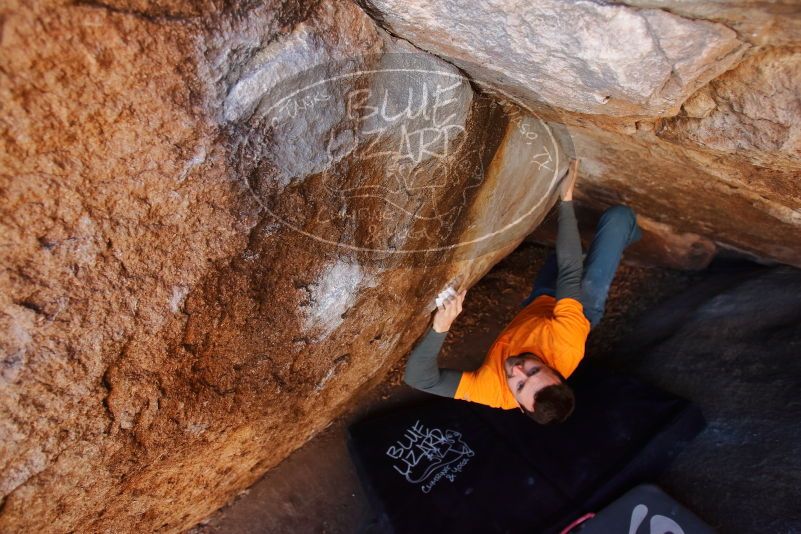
x: 526, y: 375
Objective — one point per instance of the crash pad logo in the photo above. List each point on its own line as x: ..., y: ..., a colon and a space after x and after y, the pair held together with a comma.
x: 390, y: 159
x: 659, y: 524
x: 426, y: 455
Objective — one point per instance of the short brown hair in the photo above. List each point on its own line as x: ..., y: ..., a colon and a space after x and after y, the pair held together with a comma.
x: 552, y: 404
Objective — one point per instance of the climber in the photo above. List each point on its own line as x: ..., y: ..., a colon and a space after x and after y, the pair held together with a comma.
x: 528, y: 363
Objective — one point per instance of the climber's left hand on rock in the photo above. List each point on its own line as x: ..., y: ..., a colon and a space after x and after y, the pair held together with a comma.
x: 569, y: 181
x: 448, y: 311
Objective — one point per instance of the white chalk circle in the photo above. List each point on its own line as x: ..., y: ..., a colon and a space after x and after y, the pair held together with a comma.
x: 397, y: 159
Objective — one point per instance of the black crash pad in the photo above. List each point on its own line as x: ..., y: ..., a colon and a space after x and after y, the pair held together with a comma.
x: 454, y: 466
x: 644, y: 510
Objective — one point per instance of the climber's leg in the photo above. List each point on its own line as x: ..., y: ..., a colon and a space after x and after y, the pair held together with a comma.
x: 616, y: 230
x: 545, y: 284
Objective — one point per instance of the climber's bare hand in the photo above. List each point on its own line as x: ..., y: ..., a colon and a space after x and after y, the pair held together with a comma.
x: 569, y: 181
x: 448, y: 311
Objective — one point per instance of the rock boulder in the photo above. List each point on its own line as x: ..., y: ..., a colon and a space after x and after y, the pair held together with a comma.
x: 217, y: 224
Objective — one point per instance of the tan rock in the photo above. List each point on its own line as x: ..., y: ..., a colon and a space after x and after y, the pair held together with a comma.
x: 700, y: 105
x: 718, y: 159
x: 729, y: 202
x: 585, y: 57
x: 221, y: 220
x: 205, y: 256
x: 755, y: 21
x: 753, y: 113
x: 663, y: 245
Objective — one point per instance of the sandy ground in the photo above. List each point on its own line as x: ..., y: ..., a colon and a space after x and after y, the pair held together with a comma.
x: 317, y: 490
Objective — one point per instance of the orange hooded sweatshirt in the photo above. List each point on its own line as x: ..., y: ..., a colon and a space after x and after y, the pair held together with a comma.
x: 556, y: 331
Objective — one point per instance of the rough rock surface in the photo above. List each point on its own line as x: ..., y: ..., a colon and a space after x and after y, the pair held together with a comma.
x: 200, y: 266
x: 750, y: 113
x: 717, y: 159
x: 584, y: 56
x: 220, y: 219
x: 760, y: 22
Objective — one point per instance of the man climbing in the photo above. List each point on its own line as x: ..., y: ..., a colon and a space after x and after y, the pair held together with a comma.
x: 527, y: 364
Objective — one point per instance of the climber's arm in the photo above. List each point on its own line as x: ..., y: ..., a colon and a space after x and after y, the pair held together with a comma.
x: 568, y: 241
x: 422, y: 371
x: 569, y: 327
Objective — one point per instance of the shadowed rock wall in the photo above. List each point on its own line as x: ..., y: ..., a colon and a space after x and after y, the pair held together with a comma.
x: 219, y: 220
x: 730, y: 344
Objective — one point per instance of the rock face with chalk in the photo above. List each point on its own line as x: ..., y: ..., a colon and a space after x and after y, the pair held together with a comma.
x: 219, y: 223
x: 687, y: 111
x: 221, y: 219
x: 443, y: 296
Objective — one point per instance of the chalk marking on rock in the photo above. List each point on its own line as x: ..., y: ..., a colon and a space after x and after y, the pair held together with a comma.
x: 485, y: 237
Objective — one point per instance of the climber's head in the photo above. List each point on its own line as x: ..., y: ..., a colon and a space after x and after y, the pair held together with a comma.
x: 540, y: 390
